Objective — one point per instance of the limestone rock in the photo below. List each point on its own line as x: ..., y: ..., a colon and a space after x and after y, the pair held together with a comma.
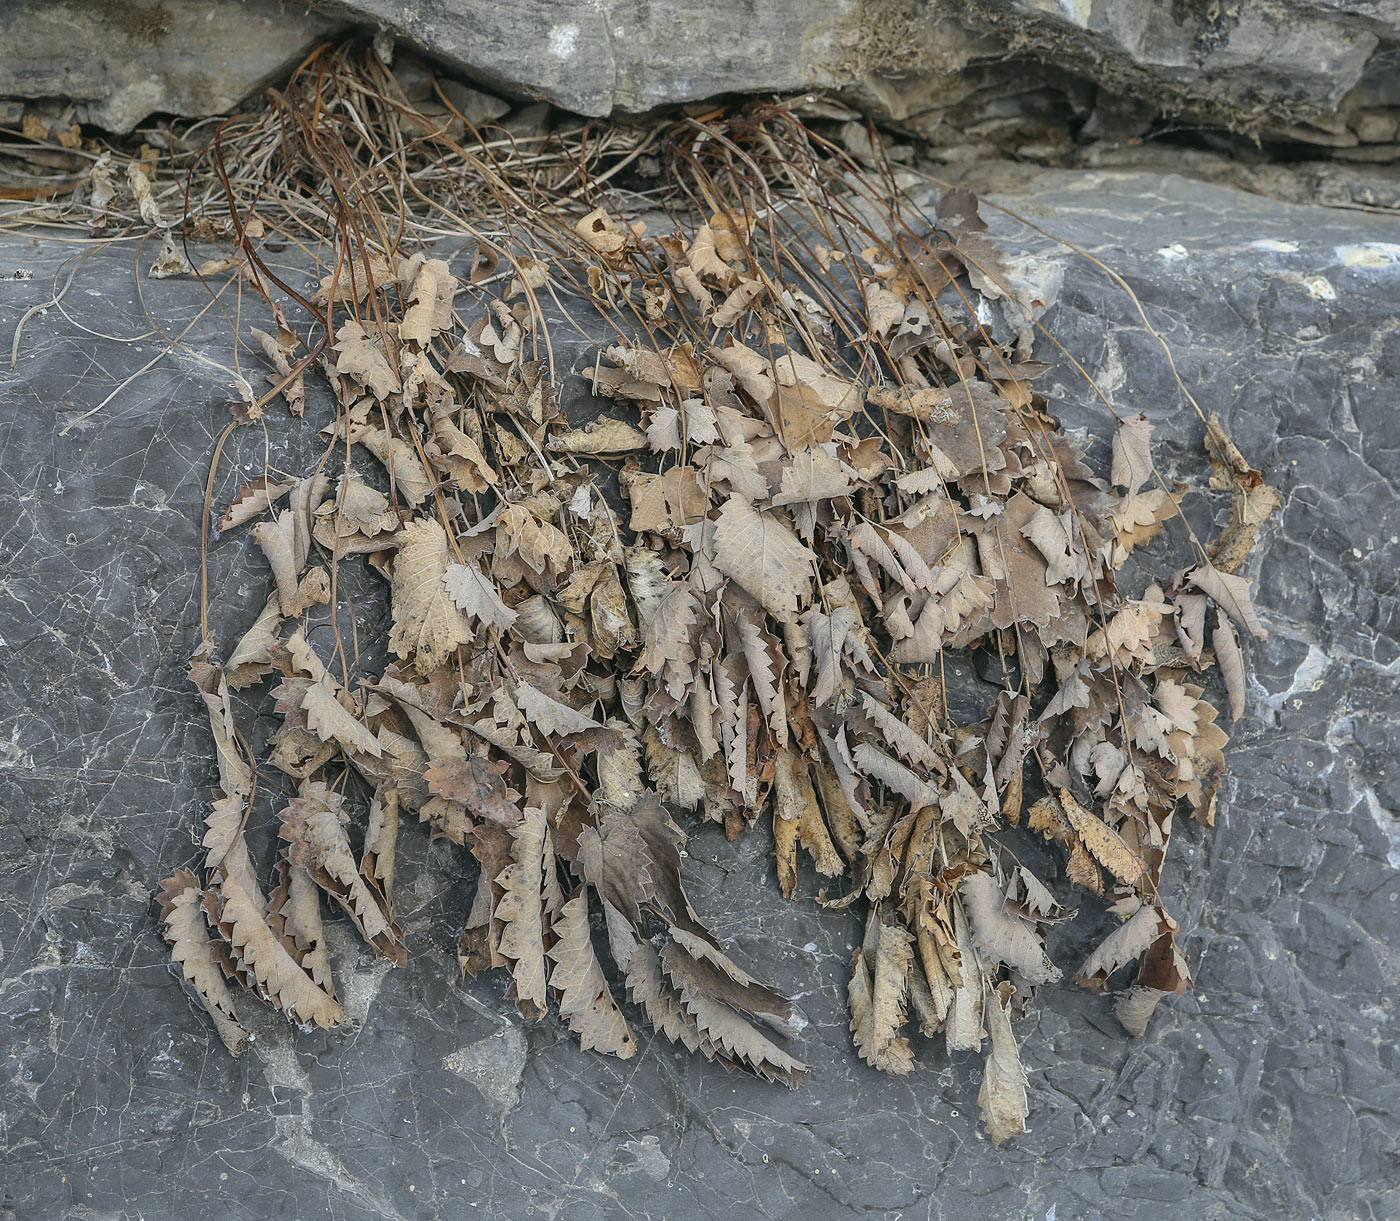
x: 124, y: 60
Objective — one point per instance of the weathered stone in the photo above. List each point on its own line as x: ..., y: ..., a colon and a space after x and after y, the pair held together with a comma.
x: 1014, y: 75
x: 1268, y: 1091
x: 127, y: 59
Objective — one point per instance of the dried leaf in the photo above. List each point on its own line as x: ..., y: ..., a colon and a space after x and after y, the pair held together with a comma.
x: 1231, y: 662
x: 198, y: 956
x: 521, y: 911
x: 585, y: 1001
x: 313, y: 824
x: 877, y: 993
x: 428, y: 627
x: 761, y: 553
x: 361, y: 358
x: 1001, y: 935
x: 328, y: 719
x: 1002, y: 1098
x: 430, y: 309
x: 1231, y: 594
x: 600, y: 436
x: 1102, y: 841
x: 1132, y: 453
x: 1129, y: 940
x: 473, y: 593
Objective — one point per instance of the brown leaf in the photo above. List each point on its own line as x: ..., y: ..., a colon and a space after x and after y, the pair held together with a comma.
x: 478, y: 783
x: 1132, y: 453
x: 278, y: 349
x: 761, y: 553
x: 430, y: 309
x: 411, y: 481
x: 254, y: 497
x: 667, y: 501
x: 1129, y: 940
x: 600, y: 436
x: 362, y: 358
x: 428, y: 627
x: 328, y: 719
x: 473, y: 593
x: 1002, y: 1097
x: 877, y: 993
x: 1000, y: 934
x: 1231, y: 662
x: 251, y: 658
x: 313, y: 824
x: 1231, y: 594
x: 585, y: 1002
x: 1102, y: 841
x: 521, y: 912
x: 198, y: 956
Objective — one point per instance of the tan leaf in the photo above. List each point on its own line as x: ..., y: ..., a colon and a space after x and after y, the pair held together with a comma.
x: 278, y: 349
x: 328, y: 719
x: 600, y: 436
x: 1129, y: 940
x: 1231, y: 594
x: 1001, y: 935
x: 250, y: 658
x: 548, y: 715
x: 1132, y: 453
x: 356, y: 279
x: 539, y: 544
x: 313, y: 824
x: 750, y: 370
x: 520, y: 911
x: 399, y: 459
x: 476, y: 595
x: 254, y: 497
x: 737, y: 303
x: 1002, y: 1097
x: 460, y: 455
x: 667, y: 501
x: 603, y: 234
x: 477, y: 783
x: 1102, y: 841
x: 259, y: 951
x: 877, y: 993
x: 198, y: 956
x: 702, y: 256
x: 761, y: 553
x: 585, y: 1002
x: 1137, y: 519
x: 427, y: 625
x: 1055, y: 537
x: 895, y: 776
x: 1231, y: 662
x: 884, y: 309
x: 362, y: 358
x: 430, y: 311
x: 710, y: 998
x: 668, y: 631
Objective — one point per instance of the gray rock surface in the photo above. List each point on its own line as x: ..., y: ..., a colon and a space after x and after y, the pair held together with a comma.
x: 1018, y: 71
x: 1270, y: 1091
x: 123, y: 60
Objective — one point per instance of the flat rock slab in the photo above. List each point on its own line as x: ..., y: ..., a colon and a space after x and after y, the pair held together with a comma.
x: 1271, y: 1090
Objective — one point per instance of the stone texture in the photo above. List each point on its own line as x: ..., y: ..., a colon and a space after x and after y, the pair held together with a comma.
x: 1026, y: 74
x: 1270, y: 1091
x: 126, y: 59
x: 1265, y: 59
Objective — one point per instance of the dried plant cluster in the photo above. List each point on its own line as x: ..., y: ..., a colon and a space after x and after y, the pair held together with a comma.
x: 729, y: 597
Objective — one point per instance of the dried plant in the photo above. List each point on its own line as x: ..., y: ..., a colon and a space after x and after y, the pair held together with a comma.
x: 827, y: 468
